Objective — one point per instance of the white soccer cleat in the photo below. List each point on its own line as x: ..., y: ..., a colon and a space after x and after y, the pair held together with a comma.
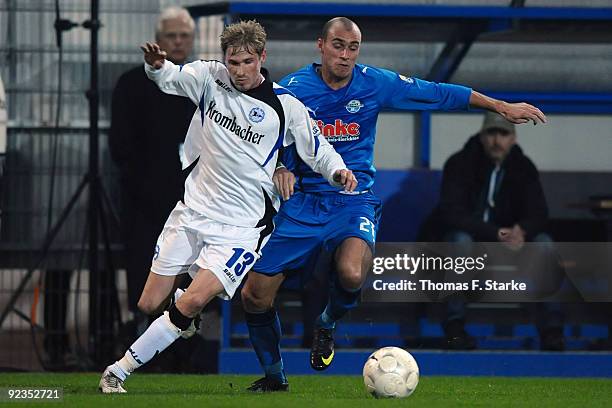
x: 110, y: 383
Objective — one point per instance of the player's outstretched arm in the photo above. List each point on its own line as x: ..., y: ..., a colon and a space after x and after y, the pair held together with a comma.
x: 187, y: 80
x: 513, y: 112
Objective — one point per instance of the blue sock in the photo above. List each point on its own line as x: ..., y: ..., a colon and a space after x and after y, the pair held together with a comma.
x: 340, y: 302
x: 325, y: 320
x: 265, y: 335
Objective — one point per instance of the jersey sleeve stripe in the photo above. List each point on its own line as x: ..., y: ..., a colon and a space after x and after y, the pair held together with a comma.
x: 201, y: 106
x: 283, y: 91
x: 313, y: 134
x: 277, y: 145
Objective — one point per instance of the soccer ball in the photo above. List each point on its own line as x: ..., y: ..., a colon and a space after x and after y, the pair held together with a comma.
x: 391, y: 372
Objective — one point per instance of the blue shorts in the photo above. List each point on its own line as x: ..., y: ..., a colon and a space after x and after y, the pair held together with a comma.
x: 309, y: 222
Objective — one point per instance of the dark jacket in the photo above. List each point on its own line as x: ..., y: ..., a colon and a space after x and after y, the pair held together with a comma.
x: 519, y: 198
x: 146, y: 129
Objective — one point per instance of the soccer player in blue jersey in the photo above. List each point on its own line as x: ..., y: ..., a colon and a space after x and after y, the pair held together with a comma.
x: 345, y: 99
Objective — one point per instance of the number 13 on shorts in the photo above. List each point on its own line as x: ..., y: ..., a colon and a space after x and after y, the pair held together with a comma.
x: 240, y: 260
x: 367, y: 226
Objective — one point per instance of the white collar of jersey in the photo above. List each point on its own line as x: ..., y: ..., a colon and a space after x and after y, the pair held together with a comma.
x: 353, y: 192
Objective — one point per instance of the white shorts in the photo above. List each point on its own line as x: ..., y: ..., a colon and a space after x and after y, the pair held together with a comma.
x: 190, y: 241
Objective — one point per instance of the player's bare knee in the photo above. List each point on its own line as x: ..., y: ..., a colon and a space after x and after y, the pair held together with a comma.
x: 254, y: 301
x: 351, y: 282
x: 248, y: 300
x: 350, y: 275
x: 191, y: 304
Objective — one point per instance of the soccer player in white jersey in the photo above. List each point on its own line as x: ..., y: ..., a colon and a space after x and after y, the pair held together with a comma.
x: 216, y: 233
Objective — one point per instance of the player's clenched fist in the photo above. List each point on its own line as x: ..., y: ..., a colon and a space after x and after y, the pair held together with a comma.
x: 346, y: 178
x: 153, y: 55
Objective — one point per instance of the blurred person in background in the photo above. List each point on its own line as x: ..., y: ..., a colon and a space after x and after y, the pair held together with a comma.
x: 491, y: 192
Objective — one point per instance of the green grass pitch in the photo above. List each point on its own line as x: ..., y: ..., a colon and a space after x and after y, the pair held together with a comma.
x: 315, y: 391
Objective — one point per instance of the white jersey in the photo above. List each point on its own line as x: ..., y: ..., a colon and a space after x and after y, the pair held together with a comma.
x: 237, y: 136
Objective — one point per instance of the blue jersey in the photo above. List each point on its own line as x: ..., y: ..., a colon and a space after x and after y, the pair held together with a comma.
x: 347, y: 116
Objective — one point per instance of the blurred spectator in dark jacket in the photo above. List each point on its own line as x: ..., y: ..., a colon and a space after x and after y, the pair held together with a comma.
x: 491, y: 192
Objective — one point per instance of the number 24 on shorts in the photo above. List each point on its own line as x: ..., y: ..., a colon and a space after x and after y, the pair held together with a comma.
x: 367, y: 226
x: 239, y: 267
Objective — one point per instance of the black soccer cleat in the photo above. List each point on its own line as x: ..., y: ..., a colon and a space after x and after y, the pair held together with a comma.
x: 266, y: 384
x: 322, y: 350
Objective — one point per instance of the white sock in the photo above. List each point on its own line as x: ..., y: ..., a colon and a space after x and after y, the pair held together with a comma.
x: 160, y: 334
x: 126, y: 366
x: 177, y: 294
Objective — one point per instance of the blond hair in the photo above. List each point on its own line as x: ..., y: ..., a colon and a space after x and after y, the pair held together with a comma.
x: 244, y: 35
